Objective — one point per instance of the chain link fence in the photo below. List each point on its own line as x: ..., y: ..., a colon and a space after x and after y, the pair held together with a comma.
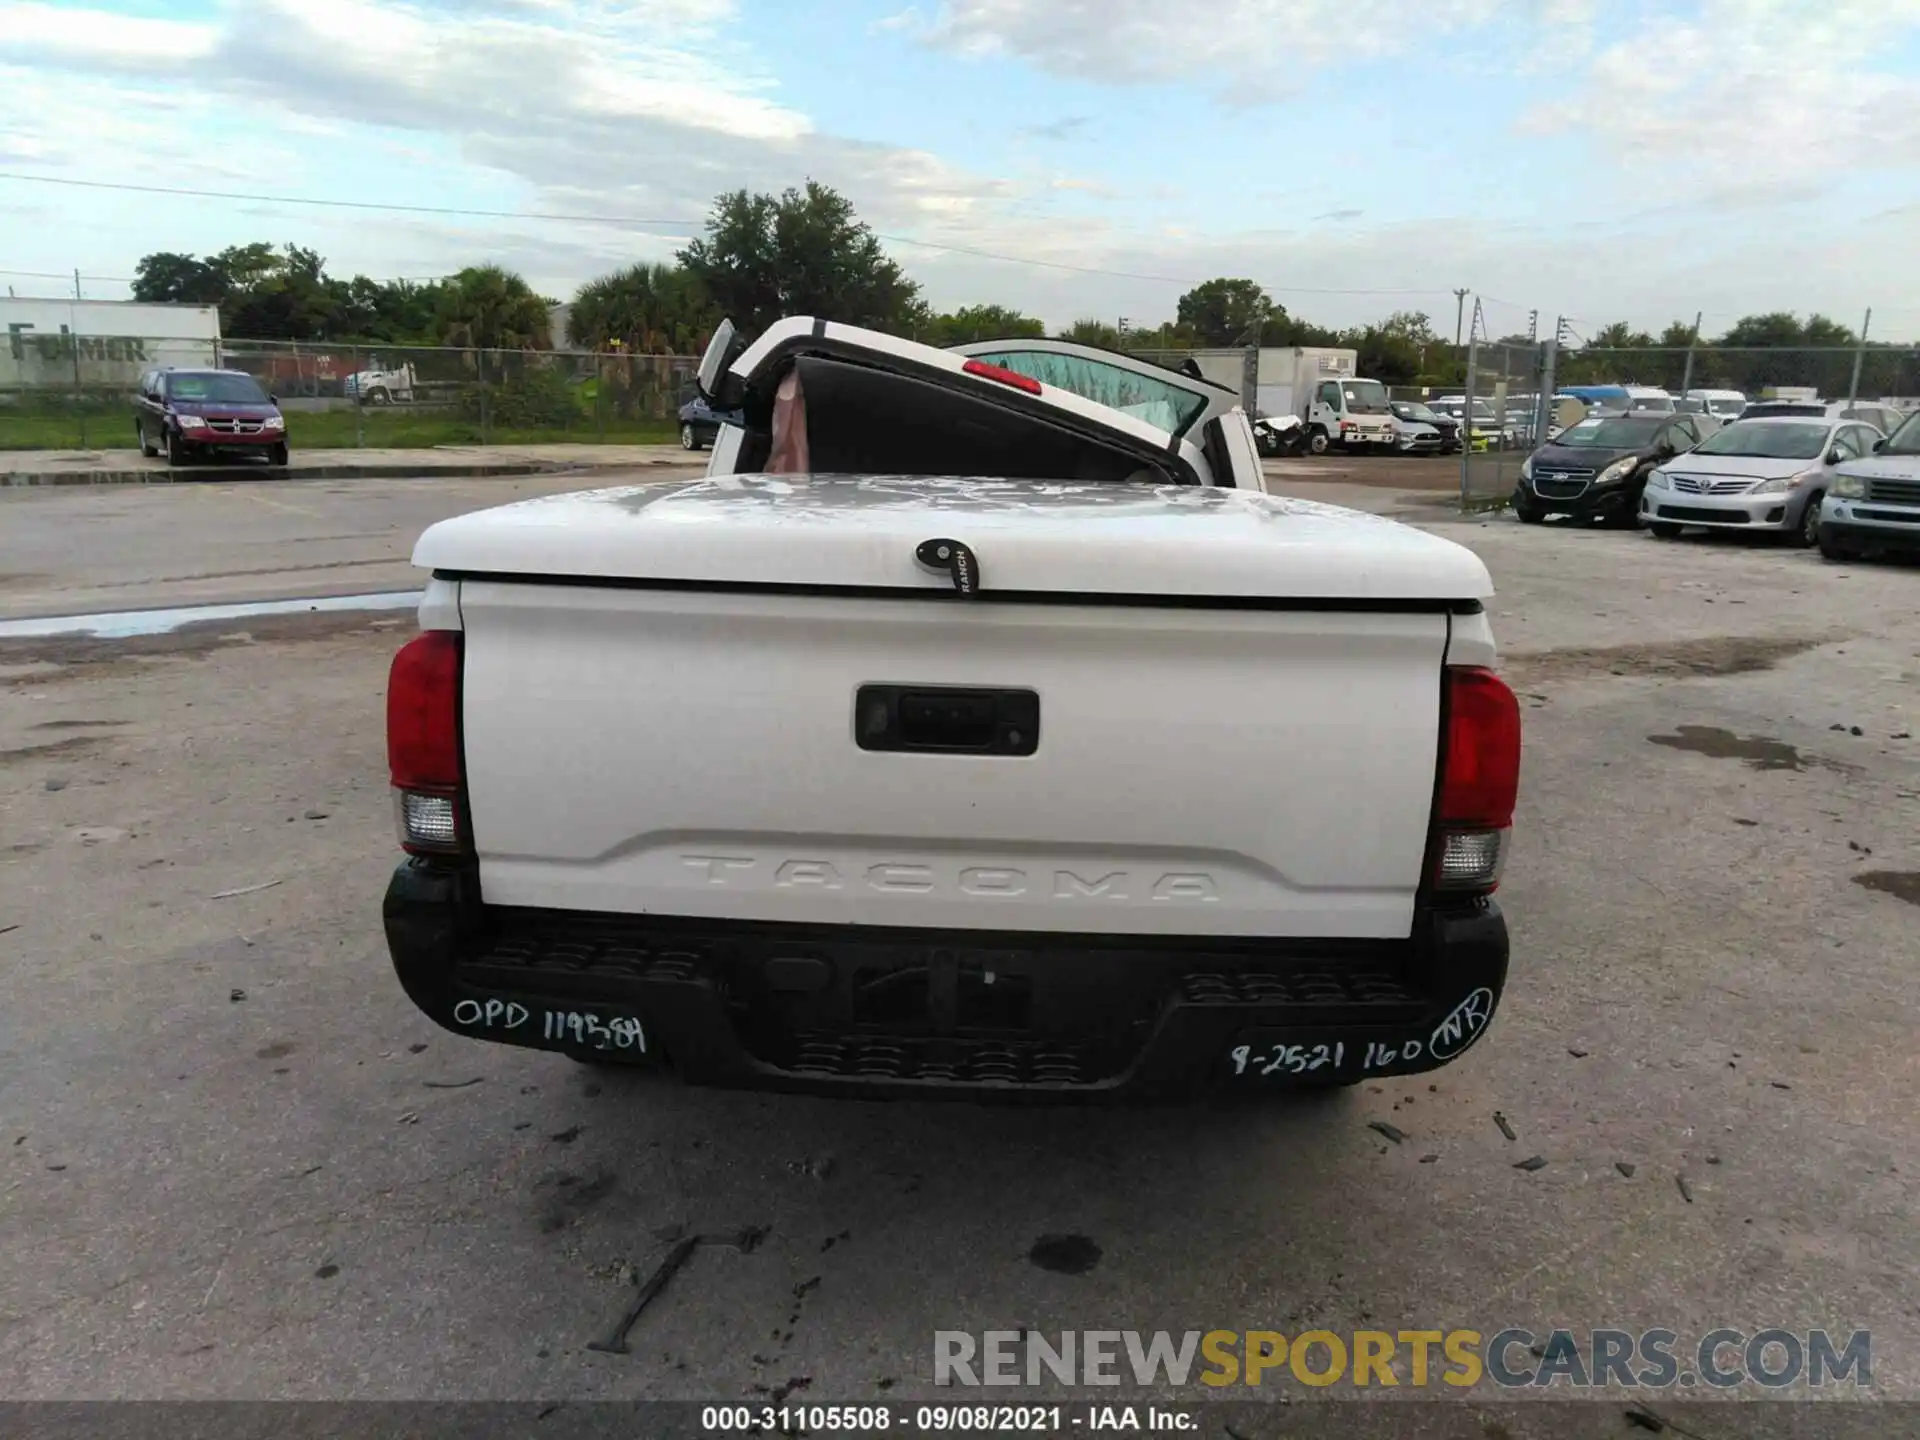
x: 64, y: 392
x: 1866, y: 373
x: 1499, y: 410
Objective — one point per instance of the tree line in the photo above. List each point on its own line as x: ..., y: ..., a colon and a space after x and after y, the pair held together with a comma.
x: 805, y: 251
x: 1755, y: 352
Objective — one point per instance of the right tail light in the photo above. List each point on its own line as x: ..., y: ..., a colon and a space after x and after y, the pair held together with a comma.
x: 1479, y: 779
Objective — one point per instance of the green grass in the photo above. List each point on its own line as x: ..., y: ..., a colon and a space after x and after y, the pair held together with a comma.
x: 396, y: 428
x: 386, y: 426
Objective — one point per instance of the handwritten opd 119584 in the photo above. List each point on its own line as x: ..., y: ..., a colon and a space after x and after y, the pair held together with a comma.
x: 618, y: 1032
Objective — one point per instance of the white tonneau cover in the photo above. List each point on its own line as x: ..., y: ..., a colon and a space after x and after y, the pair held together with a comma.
x: 861, y: 532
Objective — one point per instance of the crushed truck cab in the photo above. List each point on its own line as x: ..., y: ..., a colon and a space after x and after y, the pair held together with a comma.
x: 917, y: 784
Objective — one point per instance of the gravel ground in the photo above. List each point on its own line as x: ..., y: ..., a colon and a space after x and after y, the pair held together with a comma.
x: 238, y: 1164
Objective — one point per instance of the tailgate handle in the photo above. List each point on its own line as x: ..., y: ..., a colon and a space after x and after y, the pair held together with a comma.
x: 953, y: 559
x: 946, y: 719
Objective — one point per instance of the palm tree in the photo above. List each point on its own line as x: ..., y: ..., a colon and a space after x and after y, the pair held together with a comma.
x: 645, y: 309
x: 489, y: 308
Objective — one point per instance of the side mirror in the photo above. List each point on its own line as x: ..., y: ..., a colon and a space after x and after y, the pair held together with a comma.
x: 1834, y: 457
x: 1878, y: 446
x: 273, y: 399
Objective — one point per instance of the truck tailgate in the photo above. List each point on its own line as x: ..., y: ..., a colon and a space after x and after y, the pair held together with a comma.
x: 1198, y: 771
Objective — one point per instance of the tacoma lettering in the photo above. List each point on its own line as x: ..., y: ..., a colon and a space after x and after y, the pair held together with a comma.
x: 906, y: 877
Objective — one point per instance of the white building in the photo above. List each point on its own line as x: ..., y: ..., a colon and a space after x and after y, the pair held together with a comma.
x: 99, y: 343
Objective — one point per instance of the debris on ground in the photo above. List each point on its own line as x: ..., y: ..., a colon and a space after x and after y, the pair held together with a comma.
x: 1645, y: 1420
x: 819, y: 1167
x: 1624, y: 1167
x: 1505, y: 1129
x: 1392, y: 1132
x: 566, y: 1136
x: 1428, y: 1159
x: 615, y: 1341
x: 1686, y: 1190
x: 1532, y: 1163
x: 244, y: 890
x: 316, y: 814
x: 235, y: 996
x: 1577, y: 1054
x: 451, y: 1084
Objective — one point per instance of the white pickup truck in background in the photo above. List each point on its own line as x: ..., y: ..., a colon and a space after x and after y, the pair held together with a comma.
x: 958, y: 734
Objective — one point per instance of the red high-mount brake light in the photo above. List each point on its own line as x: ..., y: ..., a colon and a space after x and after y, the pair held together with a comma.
x: 1479, y: 780
x: 1002, y: 376
x: 423, y: 742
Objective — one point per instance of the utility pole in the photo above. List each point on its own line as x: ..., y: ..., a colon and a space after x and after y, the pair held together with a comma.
x: 1859, y: 354
x: 1459, y: 313
x: 76, y: 284
x: 1533, y: 326
x: 1693, y: 339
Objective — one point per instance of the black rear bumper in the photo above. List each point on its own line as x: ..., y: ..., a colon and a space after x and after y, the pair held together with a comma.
x: 875, y: 1012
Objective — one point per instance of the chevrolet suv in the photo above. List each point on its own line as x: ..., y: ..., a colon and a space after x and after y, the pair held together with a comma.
x: 188, y: 414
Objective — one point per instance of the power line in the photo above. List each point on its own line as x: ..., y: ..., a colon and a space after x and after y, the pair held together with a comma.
x: 337, y: 204
x: 639, y: 223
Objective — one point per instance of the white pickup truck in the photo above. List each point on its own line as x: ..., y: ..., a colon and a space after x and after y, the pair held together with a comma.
x: 848, y: 770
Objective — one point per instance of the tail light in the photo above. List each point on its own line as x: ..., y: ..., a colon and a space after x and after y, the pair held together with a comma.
x: 423, y: 744
x: 1479, y: 779
x: 1003, y: 376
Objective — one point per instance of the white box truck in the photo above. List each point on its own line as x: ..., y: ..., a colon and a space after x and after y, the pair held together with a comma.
x: 1319, y: 385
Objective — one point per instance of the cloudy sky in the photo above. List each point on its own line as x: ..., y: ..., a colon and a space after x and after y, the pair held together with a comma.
x: 1606, y: 159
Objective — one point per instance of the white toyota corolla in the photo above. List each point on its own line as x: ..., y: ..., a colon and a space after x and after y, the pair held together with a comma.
x: 1762, y: 474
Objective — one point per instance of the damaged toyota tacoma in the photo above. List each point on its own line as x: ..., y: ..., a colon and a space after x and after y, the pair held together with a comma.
x: 976, y: 727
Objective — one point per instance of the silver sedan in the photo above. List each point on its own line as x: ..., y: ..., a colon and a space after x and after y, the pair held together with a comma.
x: 1764, y: 474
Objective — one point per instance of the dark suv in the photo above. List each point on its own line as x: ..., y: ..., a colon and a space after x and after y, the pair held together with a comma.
x: 699, y: 422
x: 186, y: 414
x: 1597, y: 468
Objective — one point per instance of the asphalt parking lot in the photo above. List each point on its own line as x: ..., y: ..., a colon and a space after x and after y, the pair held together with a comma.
x: 238, y: 1164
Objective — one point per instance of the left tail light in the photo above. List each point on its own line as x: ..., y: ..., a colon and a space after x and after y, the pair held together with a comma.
x: 1479, y: 781
x: 423, y: 744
